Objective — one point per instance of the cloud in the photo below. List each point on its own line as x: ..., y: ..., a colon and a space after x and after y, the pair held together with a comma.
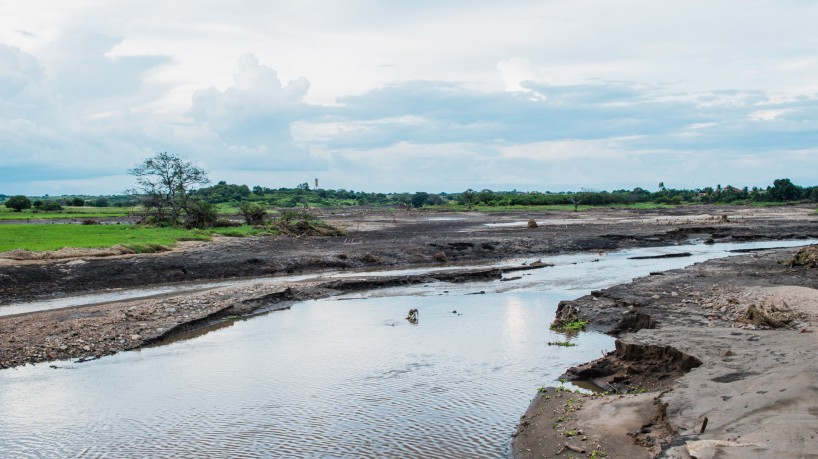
x: 409, y: 96
x: 23, y: 88
x: 252, y: 117
x: 45, y: 136
x: 83, y: 71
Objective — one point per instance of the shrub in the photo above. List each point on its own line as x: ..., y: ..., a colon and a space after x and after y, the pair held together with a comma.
x: 52, y: 206
x: 253, y: 213
x: 200, y: 214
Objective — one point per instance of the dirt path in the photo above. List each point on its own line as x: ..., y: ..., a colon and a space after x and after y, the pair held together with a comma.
x: 720, y: 360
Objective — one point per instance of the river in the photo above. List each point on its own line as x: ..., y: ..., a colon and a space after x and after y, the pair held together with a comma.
x: 339, y: 377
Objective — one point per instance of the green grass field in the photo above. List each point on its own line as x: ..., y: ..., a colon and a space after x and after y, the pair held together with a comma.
x: 68, y: 212
x: 139, y: 239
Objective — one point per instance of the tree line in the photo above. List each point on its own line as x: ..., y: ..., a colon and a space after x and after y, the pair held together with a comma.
x: 173, y: 191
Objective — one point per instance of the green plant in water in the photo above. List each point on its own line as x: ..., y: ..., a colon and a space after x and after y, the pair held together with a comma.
x: 577, y: 324
x: 562, y: 343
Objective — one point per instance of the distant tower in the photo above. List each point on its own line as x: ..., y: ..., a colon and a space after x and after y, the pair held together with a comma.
x: 316, y: 183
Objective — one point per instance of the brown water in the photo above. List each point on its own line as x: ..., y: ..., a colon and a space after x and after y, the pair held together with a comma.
x: 327, y: 378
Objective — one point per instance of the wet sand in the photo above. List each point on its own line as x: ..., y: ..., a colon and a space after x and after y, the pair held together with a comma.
x: 746, y: 328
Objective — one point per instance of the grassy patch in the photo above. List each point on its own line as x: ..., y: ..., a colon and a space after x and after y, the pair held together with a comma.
x: 53, y: 237
x: 67, y: 212
x: 140, y: 239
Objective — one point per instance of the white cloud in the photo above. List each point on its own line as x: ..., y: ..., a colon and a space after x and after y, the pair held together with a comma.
x: 440, y: 95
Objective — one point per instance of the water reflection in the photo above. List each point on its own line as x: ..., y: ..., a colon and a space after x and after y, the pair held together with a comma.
x: 327, y: 378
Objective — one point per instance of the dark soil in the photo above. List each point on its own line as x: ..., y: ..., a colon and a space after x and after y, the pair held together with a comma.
x: 380, y: 239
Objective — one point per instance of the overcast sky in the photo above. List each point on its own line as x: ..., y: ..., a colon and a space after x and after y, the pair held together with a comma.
x: 409, y: 96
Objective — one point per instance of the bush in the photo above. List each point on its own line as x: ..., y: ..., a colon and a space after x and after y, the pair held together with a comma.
x: 52, y: 206
x: 201, y: 214
x: 18, y: 203
x: 253, y: 213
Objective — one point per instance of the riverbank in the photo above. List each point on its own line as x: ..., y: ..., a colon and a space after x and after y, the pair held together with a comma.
x: 396, y: 240
x: 376, y: 240
x: 715, y: 360
x: 390, y: 238
x: 90, y: 332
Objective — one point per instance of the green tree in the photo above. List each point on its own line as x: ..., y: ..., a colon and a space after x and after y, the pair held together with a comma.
x: 419, y: 199
x: 164, y: 182
x: 18, y: 203
x: 468, y: 197
x: 784, y: 190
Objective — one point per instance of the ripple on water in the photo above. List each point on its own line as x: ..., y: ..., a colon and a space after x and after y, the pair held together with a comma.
x: 324, y: 379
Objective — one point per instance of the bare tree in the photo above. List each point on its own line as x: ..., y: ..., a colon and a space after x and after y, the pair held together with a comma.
x: 163, y: 182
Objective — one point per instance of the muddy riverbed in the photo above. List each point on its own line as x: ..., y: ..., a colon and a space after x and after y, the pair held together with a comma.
x: 342, y: 376
x: 386, y: 238
x: 255, y: 275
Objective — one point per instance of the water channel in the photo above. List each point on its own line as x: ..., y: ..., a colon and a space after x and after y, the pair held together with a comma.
x: 339, y: 377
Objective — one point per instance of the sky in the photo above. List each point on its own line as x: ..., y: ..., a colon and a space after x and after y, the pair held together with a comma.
x: 433, y: 96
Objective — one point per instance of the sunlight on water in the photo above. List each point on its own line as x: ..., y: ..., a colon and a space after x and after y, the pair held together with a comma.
x: 328, y: 378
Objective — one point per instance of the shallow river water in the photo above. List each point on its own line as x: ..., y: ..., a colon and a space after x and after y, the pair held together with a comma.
x: 339, y: 377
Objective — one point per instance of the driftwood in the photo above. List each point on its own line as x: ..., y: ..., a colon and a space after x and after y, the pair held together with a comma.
x: 575, y: 449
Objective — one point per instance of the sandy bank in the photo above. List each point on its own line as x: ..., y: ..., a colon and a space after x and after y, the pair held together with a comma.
x: 749, y: 321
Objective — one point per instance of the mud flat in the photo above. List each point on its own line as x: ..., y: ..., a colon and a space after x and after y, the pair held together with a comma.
x: 376, y: 239
x: 388, y: 238
x: 715, y: 360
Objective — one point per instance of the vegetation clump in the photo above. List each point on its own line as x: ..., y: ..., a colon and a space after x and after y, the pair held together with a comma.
x: 562, y: 343
x: 253, y: 213
x: 300, y: 223
x: 573, y: 325
x: 808, y: 256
